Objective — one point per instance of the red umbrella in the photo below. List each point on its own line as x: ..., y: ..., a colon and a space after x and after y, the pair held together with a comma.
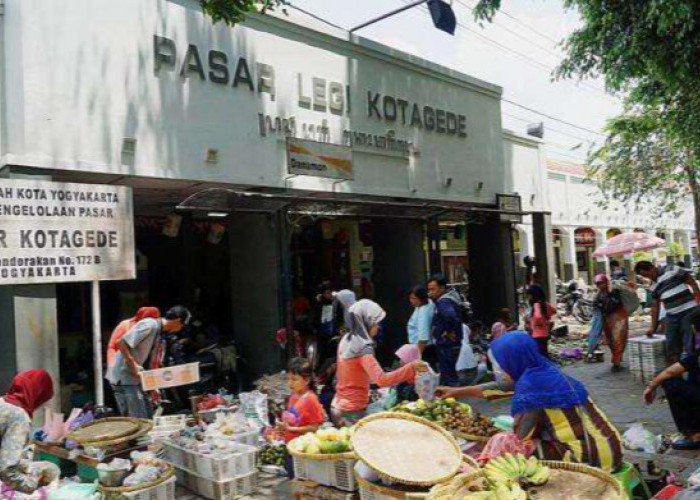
x: 627, y: 243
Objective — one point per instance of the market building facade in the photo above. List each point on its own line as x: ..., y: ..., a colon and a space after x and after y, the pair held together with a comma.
x: 263, y: 159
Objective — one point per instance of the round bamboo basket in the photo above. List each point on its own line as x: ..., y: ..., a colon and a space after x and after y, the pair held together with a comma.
x: 144, y: 427
x: 390, y: 492
x: 471, y: 437
x: 110, y: 493
x: 411, y: 418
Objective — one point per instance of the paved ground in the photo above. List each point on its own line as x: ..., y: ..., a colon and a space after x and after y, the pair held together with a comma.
x: 618, y: 395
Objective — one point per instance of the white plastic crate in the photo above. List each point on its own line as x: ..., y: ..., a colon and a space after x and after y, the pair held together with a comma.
x: 250, y: 437
x: 162, y: 491
x: 239, y: 461
x: 218, y: 490
x: 336, y: 473
x: 646, y: 357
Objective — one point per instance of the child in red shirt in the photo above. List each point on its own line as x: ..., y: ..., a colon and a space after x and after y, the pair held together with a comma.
x: 304, y: 411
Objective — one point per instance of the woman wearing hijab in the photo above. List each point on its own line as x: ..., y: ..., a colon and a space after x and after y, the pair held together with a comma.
x: 346, y: 299
x: 29, y: 391
x: 615, y: 320
x: 357, y: 366
x: 552, y: 410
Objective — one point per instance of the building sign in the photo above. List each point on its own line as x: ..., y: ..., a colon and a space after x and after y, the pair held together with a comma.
x: 319, y: 159
x: 585, y: 237
x: 328, y: 98
x: 510, y: 203
x: 54, y: 232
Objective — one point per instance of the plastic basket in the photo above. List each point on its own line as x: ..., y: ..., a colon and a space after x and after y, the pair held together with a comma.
x: 218, y: 490
x: 646, y: 357
x: 338, y: 473
x: 240, y: 461
x: 162, y: 491
x: 250, y: 438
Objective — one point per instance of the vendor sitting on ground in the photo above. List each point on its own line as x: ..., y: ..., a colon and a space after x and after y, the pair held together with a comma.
x: 550, y: 409
x: 683, y: 398
x: 29, y: 391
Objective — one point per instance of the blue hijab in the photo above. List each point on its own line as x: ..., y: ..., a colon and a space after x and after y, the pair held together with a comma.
x: 538, y: 382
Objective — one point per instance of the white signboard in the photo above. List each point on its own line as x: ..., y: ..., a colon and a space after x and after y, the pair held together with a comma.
x: 54, y: 233
x: 319, y: 159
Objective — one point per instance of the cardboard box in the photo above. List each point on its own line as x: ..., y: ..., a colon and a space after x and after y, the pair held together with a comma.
x: 173, y: 376
x: 308, y: 490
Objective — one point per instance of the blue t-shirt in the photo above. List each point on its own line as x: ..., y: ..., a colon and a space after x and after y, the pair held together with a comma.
x: 420, y: 324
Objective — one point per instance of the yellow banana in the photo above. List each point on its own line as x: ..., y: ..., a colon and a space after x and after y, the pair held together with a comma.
x: 532, y: 466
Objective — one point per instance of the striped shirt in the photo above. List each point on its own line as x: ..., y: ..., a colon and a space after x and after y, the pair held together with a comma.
x: 672, y: 289
x: 582, y: 434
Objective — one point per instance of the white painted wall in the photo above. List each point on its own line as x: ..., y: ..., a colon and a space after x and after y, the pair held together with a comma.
x: 80, y: 77
x: 573, y: 203
x: 525, y: 171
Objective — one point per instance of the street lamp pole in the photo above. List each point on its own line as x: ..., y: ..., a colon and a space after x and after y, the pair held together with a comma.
x: 388, y: 14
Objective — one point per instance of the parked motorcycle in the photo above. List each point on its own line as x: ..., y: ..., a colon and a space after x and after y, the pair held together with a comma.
x: 572, y: 300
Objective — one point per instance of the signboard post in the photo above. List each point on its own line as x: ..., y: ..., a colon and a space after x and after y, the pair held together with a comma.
x: 59, y: 233
x: 319, y: 159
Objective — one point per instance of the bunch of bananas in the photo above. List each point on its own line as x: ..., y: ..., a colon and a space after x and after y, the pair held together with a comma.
x: 469, y: 487
x: 509, y: 469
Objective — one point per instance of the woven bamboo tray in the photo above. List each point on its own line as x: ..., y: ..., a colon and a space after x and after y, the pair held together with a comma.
x: 608, y: 479
x: 143, y: 427
x: 117, y: 491
x: 471, y: 437
x: 389, y: 492
x: 406, y: 442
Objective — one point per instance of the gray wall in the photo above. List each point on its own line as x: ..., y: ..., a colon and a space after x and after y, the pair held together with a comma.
x: 399, y: 264
x: 491, y: 273
x: 255, y: 290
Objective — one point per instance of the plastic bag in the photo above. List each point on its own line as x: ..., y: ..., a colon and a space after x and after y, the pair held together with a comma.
x: 74, y: 491
x: 505, y: 442
x: 426, y: 384
x: 637, y: 438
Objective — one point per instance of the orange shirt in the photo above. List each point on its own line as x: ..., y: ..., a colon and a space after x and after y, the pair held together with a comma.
x: 539, y: 323
x: 308, y: 410
x: 354, y: 377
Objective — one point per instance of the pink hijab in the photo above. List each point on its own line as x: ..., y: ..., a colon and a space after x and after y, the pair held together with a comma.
x: 408, y: 353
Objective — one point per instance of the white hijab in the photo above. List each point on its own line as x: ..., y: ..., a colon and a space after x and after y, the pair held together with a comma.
x: 363, y: 315
x: 347, y: 299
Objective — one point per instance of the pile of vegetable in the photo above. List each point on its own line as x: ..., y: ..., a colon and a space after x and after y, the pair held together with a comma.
x: 452, y: 415
x: 273, y: 454
x: 323, y: 441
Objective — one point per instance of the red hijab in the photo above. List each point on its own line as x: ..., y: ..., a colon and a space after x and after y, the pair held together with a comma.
x: 124, y: 327
x: 30, y: 390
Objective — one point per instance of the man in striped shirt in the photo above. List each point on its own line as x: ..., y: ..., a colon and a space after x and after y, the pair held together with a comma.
x: 676, y: 288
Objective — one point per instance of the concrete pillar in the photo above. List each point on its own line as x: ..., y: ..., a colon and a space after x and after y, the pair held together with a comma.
x: 29, y: 325
x: 685, y: 240
x: 434, y: 242
x: 544, y: 252
x: 568, y: 243
x: 527, y: 249
x: 601, y: 263
x: 399, y: 264
x: 668, y: 236
x: 256, y: 290
x: 628, y: 259
x: 491, y: 271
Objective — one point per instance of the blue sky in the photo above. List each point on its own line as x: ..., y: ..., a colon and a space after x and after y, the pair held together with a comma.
x: 518, y: 52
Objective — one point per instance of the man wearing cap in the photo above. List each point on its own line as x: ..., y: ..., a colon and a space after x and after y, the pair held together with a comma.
x: 135, y: 348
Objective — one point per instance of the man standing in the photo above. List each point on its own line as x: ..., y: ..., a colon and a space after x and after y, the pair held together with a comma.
x: 677, y: 290
x: 446, y: 328
x: 135, y: 349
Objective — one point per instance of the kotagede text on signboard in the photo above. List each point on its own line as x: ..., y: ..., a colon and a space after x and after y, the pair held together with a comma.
x: 319, y: 159
x: 56, y: 232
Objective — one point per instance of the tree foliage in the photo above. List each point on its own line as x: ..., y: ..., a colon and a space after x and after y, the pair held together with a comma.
x: 649, y: 50
x: 235, y: 11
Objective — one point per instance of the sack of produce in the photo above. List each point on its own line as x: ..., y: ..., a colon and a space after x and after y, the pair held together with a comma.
x: 630, y: 299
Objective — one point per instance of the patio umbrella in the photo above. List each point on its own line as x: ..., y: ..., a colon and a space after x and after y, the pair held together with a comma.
x: 627, y: 243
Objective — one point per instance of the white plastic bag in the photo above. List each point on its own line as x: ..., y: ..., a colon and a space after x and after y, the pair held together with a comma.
x: 426, y: 384
x: 637, y: 438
